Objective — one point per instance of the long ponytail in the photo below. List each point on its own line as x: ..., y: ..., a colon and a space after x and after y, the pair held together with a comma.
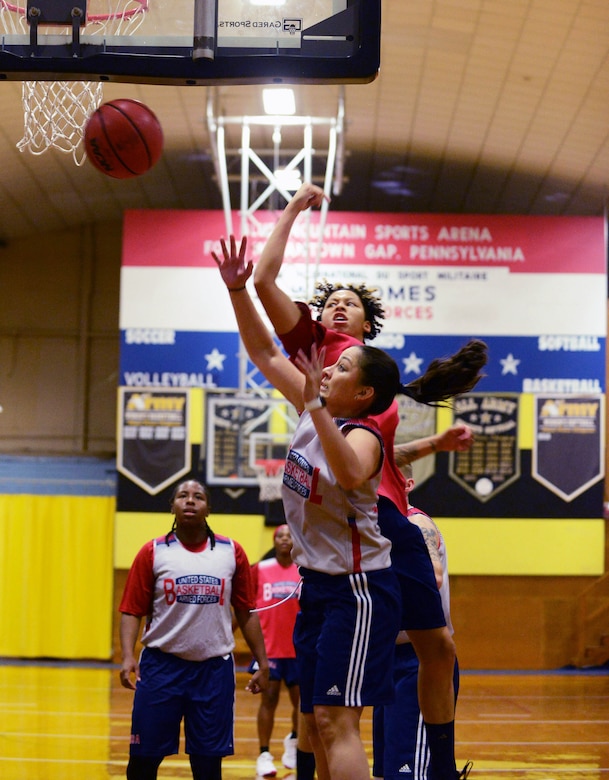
x: 447, y: 377
x: 443, y: 379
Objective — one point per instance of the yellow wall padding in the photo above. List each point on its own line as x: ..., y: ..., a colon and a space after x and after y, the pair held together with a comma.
x: 134, y: 529
x: 524, y: 546
x: 56, y: 576
x: 501, y: 546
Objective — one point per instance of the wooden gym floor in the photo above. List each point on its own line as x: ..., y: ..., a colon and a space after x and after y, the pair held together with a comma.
x: 71, y: 722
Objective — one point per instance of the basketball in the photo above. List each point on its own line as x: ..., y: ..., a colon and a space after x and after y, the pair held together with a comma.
x: 123, y: 138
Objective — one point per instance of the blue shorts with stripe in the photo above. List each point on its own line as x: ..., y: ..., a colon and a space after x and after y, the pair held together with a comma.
x: 200, y: 692
x: 421, y: 603
x: 399, y: 739
x: 345, y: 638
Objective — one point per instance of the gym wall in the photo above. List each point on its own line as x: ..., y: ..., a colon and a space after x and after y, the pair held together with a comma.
x: 59, y: 366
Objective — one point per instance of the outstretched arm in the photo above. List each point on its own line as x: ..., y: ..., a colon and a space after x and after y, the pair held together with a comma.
x: 281, y: 309
x: 258, y: 341
x: 457, y: 438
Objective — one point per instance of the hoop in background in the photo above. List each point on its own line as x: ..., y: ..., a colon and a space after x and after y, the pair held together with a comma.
x: 269, y: 473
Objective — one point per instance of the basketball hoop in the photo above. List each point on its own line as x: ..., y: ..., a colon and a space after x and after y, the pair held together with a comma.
x: 55, y: 112
x: 269, y: 474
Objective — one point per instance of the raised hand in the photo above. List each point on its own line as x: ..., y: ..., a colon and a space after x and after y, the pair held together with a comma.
x: 312, y: 367
x: 308, y: 195
x: 233, y: 269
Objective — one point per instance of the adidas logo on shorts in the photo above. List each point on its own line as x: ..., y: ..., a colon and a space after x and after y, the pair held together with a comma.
x: 333, y: 691
x: 405, y: 769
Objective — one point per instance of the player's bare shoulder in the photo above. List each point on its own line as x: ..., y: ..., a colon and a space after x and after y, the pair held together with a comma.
x: 429, y: 529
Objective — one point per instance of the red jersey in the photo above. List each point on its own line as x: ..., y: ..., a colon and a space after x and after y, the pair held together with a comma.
x: 273, y: 583
x: 307, y: 332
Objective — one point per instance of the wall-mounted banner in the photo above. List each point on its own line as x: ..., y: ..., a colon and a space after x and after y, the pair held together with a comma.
x: 442, y: 279
x: 534, y: 288
x: 416, y: 421
x: 153, y: 443
x: 492, y: 463
x: 568, y: 448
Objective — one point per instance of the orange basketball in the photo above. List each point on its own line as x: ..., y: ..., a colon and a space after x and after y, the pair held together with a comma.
x: 123, y: 138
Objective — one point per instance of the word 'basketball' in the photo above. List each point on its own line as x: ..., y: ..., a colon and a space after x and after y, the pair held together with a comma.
x: 123, y: 138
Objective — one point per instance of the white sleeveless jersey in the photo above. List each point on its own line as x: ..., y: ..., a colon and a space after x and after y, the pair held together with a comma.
x: 445, y: 588
x: 333, y: 530
x: 191, y: 612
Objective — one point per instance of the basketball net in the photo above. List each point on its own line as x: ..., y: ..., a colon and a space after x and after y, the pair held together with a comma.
x: 269, y: 474
x: 55, y: 112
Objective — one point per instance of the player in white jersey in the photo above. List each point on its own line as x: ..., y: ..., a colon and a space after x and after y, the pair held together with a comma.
x: 184, y: 584
x: 348, y: 312
x: 443, y: 379
x: 350, y: 596
x: 400, y: 746
x: 339, y: 652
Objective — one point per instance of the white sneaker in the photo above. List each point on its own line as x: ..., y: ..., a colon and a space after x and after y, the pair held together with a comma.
x: 265, y: 766
x: 288, y: 759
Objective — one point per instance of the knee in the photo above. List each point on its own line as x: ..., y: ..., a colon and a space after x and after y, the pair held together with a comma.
x: 445, y: 651
x: 435, y: 647
x: 206, y: 767
x: 449, y: 649
x: 270, y: 697
x: 143, y: 767
x: 324, y: 725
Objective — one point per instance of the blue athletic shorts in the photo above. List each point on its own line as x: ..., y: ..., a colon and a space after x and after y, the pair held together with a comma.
x: 345, y: 637
x: 200, y: 692
x: 399, y: 740
x: 279, y: 669
x: 421, y: 603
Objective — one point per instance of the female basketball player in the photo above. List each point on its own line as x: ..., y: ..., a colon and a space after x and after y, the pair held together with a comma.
x: 363, y: 381
x: 349, y: 314
x: 184, y: 584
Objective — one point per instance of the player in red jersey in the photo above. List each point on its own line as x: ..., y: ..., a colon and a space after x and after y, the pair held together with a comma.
x: 277, y: 586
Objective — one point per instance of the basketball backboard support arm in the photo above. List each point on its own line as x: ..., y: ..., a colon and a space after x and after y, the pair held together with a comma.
x: 58, y: 13
x: 332, y: 181
x: 250, y: 378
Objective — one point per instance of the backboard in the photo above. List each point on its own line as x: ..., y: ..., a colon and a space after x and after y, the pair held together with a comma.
x: 243, y: 430
x: 191, y: 42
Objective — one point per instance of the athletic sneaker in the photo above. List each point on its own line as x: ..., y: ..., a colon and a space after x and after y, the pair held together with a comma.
x: 464, y: 773
x: 265, y: 766
x: 288, y: 759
